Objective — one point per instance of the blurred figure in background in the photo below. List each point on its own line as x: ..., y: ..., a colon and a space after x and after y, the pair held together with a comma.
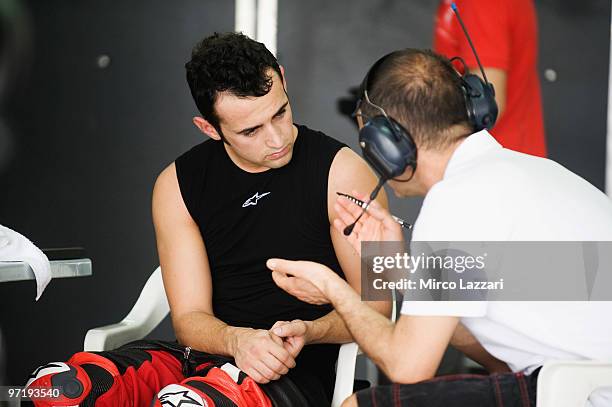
x: 506, y: 37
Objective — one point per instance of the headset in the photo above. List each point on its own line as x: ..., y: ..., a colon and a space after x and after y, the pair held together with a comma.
x: 389, y: 148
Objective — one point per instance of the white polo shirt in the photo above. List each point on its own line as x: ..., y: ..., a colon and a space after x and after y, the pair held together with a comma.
x: 489, y: 193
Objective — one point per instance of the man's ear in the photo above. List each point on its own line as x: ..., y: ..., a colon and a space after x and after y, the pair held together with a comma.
x: 205, y: 127
x: 282, y: 69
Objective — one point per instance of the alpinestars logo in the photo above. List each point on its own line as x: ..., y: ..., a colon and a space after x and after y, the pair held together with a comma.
x: 176, y: 395
x: 178, y: 399
x: 254, y: 199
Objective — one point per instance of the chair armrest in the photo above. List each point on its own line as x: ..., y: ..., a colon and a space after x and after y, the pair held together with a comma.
x: 345, y: 369
x: 148, y: 311
x: 568, y: 383
x: 345, y: 373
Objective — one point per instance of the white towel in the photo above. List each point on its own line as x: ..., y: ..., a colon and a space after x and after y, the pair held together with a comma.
x: 16, y: 247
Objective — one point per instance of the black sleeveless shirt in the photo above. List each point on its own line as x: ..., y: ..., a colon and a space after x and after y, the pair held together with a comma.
x: 246, y: 218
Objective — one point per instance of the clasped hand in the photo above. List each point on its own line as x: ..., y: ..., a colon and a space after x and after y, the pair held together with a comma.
x: 267, y: 355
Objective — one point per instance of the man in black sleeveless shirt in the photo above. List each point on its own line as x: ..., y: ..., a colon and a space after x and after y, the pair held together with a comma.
x: 261, y: 187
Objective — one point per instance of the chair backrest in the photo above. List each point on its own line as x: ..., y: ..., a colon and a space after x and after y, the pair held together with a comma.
x: 150, y: 309
x: 152, y: 304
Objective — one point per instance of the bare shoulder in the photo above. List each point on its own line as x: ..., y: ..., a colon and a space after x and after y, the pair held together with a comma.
x: 349, y: 159
x: 349, y: 172
x: 167, y: 199
x: 347, y: 167
x: 166, y: 179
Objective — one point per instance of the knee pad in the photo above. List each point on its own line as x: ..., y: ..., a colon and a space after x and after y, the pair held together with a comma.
x: 81, y: 381
x: 73, y: 381
x: 220, y: 387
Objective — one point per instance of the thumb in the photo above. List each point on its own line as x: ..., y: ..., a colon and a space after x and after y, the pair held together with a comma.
x: 377, y: 211
x: 290, y: 329
x: 279, y: 323
x: 291, y: 267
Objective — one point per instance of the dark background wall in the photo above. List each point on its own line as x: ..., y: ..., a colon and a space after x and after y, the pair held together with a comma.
x: 86, y: 147
x: 80, y: 145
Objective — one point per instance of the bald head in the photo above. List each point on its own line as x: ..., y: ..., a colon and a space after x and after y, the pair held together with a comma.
x: 422, y: 91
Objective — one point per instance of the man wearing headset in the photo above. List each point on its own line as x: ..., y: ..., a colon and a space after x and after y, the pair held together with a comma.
x: 475, y: 190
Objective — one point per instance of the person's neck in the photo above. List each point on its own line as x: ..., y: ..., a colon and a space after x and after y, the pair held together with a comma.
x: 432, y: 162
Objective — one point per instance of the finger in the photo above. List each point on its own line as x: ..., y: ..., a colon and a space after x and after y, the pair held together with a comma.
x: 276, y: 366
x: 377, y: 211
x: 346, y: 216
x: 382, y: 215
x: 264, y: 370
x: 350, y: 206
x: 360, y: 196
x: 283, y: 281
x: 282, y: 355
x: 342, y: 215
x: 279, y: 323
x: 294, y: 345
x: 290, y: 285
x: 295, y: 328
x: 255, y: 375
x: 277, y: 339
x: 279, y: 278
x: 359, y: 225
x: 339, y: 225
x: 290, y: 267
x: 365, y: 198
x: 269, y: 366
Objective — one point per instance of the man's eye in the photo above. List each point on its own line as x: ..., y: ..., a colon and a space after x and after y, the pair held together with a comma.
x: 280, y: 114
x: 249, y: 133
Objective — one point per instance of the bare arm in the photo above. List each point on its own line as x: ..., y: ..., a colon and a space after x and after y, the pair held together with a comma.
x: 465, y: 342
x: 188, y: 285
x: 348, y: 172
x: 408, y: 351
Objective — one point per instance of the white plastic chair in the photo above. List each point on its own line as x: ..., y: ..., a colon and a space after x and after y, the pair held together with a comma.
x: 345, y: 370
x: 148, y: 311
x: 152, y: 307
x: 569, y: 383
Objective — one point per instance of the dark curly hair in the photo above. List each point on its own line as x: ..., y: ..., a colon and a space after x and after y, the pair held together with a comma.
x: 229, y: 62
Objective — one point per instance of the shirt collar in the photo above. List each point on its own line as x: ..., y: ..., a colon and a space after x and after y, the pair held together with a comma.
x: 476, y: 144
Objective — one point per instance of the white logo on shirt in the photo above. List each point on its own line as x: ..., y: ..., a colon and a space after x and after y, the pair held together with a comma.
x: 253, y: 200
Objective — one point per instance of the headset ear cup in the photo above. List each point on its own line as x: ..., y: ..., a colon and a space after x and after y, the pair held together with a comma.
x: 409, y: 149
x: 480, y: 102
x: 465, y: 88
x: 388, y: 150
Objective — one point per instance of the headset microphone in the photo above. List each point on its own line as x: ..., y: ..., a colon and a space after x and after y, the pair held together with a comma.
x: 349, y: 229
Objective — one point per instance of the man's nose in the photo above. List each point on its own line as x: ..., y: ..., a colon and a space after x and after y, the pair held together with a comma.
x: 275, y: 138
